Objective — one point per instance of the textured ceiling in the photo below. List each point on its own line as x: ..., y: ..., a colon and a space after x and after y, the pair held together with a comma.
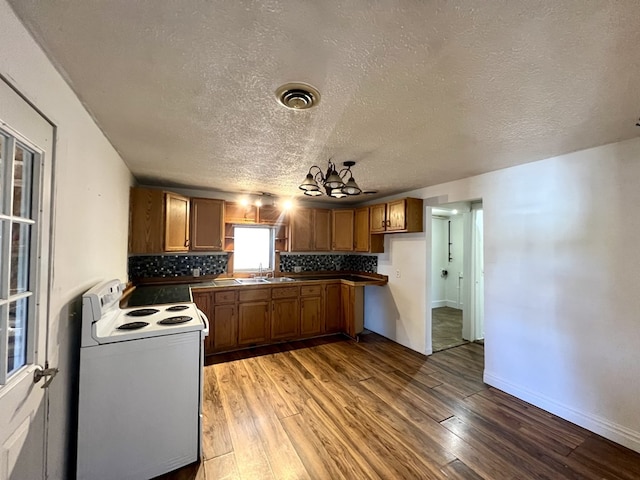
x: 417, y: 93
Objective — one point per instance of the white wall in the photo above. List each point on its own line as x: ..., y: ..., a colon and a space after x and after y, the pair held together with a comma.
x: 561, y: 284
x: 90, y: 216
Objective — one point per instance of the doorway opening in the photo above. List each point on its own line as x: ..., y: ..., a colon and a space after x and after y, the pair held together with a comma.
x: 457, y: 309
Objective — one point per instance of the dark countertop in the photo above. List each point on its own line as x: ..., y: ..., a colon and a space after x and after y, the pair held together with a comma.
x: 157, y: 295
x: 166, y: 292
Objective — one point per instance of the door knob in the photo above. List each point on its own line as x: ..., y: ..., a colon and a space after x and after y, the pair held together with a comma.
x: 40, y: 373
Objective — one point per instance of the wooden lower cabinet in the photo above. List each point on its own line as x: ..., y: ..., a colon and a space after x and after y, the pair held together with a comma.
x: 332, y: 308
x: 204, y: 301
x: 253, y: 323
x: 311, y: 321
x: 246, y: 317
x: 285, y: 317
x: 224, y: 331
x: 352, y: 308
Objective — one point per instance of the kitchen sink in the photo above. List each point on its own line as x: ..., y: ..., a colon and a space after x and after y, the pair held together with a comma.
x: 225, y: 282
x: 280, y: 279
x: 251, y: 281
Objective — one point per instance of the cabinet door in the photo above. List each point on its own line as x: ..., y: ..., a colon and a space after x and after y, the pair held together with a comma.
x: 345, y: 307
x: 176, y: 236
x: 332, y: 308
x: 253, y: 323
x: 396, y: 216
x: 204, y: 301
x: 352, y: 307
x: 301, y: 229
x: 322, y: 230
x: 272, y: 215
x: 361, y: 230
x: 224, y: 331
x: 285, y: 317
x: 342, y: 230
x: 146, y: 221
x: 238, y: 213
x: 207, y: 225
x: 311, y: 316
x: 378, y: 218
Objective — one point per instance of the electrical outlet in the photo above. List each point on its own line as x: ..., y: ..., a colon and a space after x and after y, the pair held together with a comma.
x: 397, y: 273
x: 297, y: 269
x: 195, y: 272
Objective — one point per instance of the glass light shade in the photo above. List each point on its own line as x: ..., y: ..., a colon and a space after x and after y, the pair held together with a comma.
x: 313, y: 193
x: 351, y: 188
x: 334, y: 180
x: 338, y: 193
x: 309, y: 184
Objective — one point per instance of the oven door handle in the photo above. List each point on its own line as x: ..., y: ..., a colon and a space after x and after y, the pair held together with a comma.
x: 204, y: 318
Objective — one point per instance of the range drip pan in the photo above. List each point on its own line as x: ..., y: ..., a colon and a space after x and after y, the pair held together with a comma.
x: 133, y: 325
x: 177, y: 308
x: 142, y: 312
x: 175, y: 320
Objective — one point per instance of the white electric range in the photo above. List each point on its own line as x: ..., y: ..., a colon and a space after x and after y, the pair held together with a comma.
x: 140, y: 389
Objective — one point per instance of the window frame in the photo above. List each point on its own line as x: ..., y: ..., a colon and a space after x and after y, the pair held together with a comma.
x: 7, y: 219
x: 272, y: 248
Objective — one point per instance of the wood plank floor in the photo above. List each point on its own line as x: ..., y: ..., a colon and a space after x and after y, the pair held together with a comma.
x: 446, y: 331
x: 332, y: 408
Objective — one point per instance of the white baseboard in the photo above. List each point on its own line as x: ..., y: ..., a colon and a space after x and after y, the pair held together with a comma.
x: 594, y: 423
x: 452, y: 304
x: 438, y: 303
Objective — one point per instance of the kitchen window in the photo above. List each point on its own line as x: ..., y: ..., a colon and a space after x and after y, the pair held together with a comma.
x: 19, y: 188
x: 253, y: 248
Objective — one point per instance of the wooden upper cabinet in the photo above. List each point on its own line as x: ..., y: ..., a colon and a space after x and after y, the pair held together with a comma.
x: 207, y: 224
x: 310, y: 230
x: 146, y: 221
x: 238, y: 213
x: 404, y: 215
x: 176, y: 223
x: 301, y: 230
x: 322, y: 229
x: 361, y: 230
x: 159, y: 221
x: 342, y: 224
x: 272, y: 215
x: 378, y: 218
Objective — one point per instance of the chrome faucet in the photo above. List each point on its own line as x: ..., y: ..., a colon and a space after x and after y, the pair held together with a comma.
x: 262, y: 273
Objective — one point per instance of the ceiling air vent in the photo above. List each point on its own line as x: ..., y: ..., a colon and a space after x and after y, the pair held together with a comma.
x: 298, y: 96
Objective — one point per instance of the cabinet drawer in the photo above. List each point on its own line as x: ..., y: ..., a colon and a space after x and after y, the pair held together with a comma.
x: 254, y: 294
x: 284, y: 292
x: 307, y: 290
x: 225, y: 297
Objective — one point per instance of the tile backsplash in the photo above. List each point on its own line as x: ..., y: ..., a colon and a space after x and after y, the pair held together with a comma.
x: 152, y: 266
x: 313, y: 263
x: 160, y: 266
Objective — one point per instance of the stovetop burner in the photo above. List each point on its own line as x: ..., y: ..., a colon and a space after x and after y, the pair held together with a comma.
x: 177, y: 308
x: 142, y: 312
x: 132, y: 325
x: 175, y: 320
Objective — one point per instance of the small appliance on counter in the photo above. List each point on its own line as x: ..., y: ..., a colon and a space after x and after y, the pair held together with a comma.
x: 140, y: 390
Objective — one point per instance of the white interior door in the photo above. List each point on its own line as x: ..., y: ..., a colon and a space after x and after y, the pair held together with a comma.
x: 26, y: 141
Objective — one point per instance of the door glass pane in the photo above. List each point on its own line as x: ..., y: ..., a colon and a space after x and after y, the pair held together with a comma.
x: 22, y: 170
x: 18, y: 313
x: 19, y: 278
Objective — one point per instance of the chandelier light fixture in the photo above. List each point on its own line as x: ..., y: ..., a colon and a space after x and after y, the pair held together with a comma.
x: 337, y: 184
